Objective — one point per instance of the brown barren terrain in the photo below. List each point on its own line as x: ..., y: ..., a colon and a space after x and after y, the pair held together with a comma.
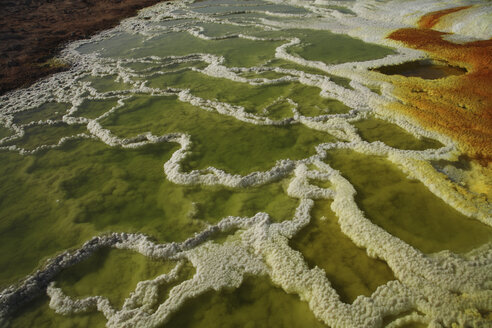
x: 33, y: 31
x: 458, y: 106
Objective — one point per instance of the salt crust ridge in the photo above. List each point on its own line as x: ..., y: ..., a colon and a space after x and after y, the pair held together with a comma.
x: 439, y: 288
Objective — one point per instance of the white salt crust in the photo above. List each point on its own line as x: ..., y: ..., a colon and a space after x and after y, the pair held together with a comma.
x: 438, y: 289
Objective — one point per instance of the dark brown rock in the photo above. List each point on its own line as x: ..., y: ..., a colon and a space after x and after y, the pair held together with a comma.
x: 32, y: 31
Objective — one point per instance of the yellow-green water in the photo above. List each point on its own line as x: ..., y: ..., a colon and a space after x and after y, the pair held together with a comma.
x: 349, y: 269
x: 56, y: 198
x: 255, y: 99
x: 405, y: 207
x: 256, y: 303
x: 215, y: 134
x: 94, y: 189
x: 95, y: 108
x: 36, y: 136
x: 373, y: 129
x: 51, y: 111
x: 95, y: 276
x: 38, y: 314
x: 4, y: 132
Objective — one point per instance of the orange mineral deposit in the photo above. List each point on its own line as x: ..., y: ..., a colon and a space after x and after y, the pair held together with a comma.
x: 458, y: 106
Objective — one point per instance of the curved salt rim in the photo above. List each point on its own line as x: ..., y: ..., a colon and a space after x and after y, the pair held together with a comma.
x: 432, y: 285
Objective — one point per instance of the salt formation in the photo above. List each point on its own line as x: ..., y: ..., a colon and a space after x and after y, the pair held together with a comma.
x: 439, y: 290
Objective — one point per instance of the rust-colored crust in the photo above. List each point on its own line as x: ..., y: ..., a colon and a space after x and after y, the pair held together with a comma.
x: 431, y: 19
x: 458, y: 106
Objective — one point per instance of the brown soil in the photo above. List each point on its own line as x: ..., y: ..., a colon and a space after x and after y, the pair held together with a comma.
x: 33, y: 31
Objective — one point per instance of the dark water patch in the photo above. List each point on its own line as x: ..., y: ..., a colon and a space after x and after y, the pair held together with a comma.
x: 425, y: 69
x: 487, y: 315
x: 467, y: 173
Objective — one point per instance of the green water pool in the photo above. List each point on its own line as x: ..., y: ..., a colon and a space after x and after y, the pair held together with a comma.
x: 95, y: 153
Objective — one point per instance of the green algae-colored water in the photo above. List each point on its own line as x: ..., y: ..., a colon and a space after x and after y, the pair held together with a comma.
x: 215, y: 134
x: 95, y: 276
x: 4, y: 132
x: 310, y: 70
x: 96, y: 189
x: 255, y: 99
x: 349, y: 269
x: 47, y: 111
x: 256, y: 303
x: 320, y: 46
x: 373, y: 129
x: 93, y: 108
x: 405, y: 208
x: 39, y: 135
x: 38, y: 314
x: 54, y: 195
x: 106, y: 83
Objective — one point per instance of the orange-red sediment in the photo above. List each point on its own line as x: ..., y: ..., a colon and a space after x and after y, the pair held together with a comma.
x: 431, y: 19
x: 458, y: 106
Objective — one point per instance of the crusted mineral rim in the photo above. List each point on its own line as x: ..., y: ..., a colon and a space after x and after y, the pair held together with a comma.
x: 265, y: 50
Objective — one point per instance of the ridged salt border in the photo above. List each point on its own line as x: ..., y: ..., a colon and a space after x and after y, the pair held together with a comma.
x: 436, y: 280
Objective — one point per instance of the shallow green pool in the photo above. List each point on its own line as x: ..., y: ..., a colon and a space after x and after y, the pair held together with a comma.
x: 189, y: 91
